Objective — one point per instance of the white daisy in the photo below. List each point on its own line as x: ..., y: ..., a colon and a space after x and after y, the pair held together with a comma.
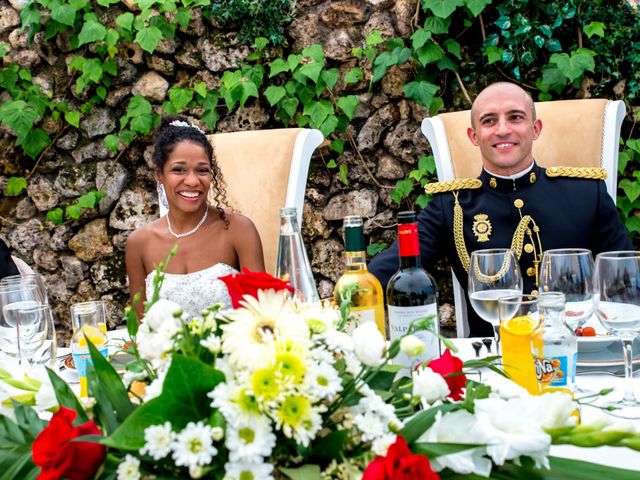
x: 158, y: 441
x: 129, y: 469
x: 323, y: 381
x: 247, y: 471
x: 250, y: 441
x: 212, y: 343
x: 193, y: 446
x: 246, y: 338
x: 319, y: 319
x: 236, y: 403
x: 371, y: 426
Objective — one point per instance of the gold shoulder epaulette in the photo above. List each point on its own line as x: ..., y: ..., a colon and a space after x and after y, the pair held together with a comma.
x: 452, y: 185
x: 593, y: 173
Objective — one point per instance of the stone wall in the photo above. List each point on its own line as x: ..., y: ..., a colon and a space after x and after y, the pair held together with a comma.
x: 83, y: 260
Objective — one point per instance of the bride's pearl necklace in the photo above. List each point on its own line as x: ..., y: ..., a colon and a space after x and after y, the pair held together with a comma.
x: 193, y: 230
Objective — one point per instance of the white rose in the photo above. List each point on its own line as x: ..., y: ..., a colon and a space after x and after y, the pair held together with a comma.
x: 412, y: 346
x: 369, y: 344
x: 429, y: 385
x: 161, y: 312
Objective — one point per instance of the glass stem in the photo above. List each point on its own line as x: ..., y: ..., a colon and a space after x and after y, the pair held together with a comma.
x: 496, y: 328
x: 627, y: 349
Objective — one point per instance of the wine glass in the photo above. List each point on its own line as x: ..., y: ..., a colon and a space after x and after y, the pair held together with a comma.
x: 493, y: 273
x: 570, y: 271
x: 27, y: 278
x: 36, y: 340
x: 12, y: 298
x: 94, y: 309
x: 617, y: 304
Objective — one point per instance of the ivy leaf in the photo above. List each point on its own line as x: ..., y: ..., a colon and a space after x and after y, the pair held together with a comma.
x: 278, y: 66
x: 72, y: 117
x: 354, y: 75
x: 274, y: 94
x: 180, y: 97
x: 183, y: 17
x: 315, y: 52
x: 575, y: 65
x: 73, y: 211
x: 419, y: 38
x: 375, y: 248
x: 148, y: 38
x: 64, y: 14
x: 329, y: 125
x: 343, y: 174
x: 493, y: 53
x: 35, y: 142
x: 112, y: 142
x: 422, y: 200
x: 125, y: 21
x: 631, y: 189
x: 201, y: 89
x: 318, y: 111
x: 312, y: 70
x: 476, y: 6
x: 442, y: 8
x: 290, y: 106
x: 92, y: 31
x: 332, y: 163
x: 453, y: 47
x: 330, y: 77
x: 337, y: 146
x: 294, y: 60
x: 552, y: 79
x: 91, y: 199
x: 348, y: 105
x: 15, y: 186
x: 633, y: 224
x: 421, y: 92
x: 18, y: 115
x: 429, y: 54
x: 437, y: 25
x: 374, y: 38
x: 403, y: 190
x: 594, y: 28
x: 55, y: 216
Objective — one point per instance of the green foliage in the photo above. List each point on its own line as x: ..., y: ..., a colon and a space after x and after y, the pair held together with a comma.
x: 255, y: 18
x: 73, y: 211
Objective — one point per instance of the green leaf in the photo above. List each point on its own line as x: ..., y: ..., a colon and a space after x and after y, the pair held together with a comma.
x: 594, y: 28
x: 453, y: 47
x: 437, y: 25
x: 180, y: 97
x: 305, y: 472
x: 148, y: 38
x: 72, y: 117
x: 631, y: 189
x: 318, y: 111
x: 73, y: 211
x: 201, y: 89
x: 575, y: 65
x: 354, y: 75
x: 274, y: 94
x: 419, y: 38
x: 315, y: 52
x: 332, y: 163
x: 569, y: 469
x: 422, y: 200
x: 348, y: 105
x: 55, y: 216
x: 476, y: 6
x: 311, y: 70
x: 429, y: 54
x: 337, y: 146
x: 374, y: 38
x: 64, y: 13
x: 112, y: 142
x: 294, y: 60
x: 422, y: 421
x: 18, y: 115
x: 632, y: 224
x: 181, y: 401
x: 92, y: 31
x: 66, y: 397
x: 442, y: 8
x: 329, y: 125
x: 182, y: 17
x: 290, y: 106
x: 125, y: 21
x: 35, y: 142
x: 421, y: 92
x: 375, y: 248
x: 330, y: 77
x: 343, y: 174
x: 278, y: 66
x: 15, y: 186
x: 403, y: 190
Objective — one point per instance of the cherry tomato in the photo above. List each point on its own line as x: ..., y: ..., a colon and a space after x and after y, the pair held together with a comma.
x: 588, y: 332
x: 579, y: 331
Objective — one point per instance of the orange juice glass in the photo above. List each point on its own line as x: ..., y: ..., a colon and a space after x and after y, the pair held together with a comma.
x: 521, y: 337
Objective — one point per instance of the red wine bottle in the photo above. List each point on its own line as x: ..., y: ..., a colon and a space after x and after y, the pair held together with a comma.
x: 411, y: 293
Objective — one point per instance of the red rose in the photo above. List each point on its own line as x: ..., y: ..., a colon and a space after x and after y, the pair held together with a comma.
x: 248, y: 283
x: 400, y: 464
x: 450, y: 368
x: 59, y: 457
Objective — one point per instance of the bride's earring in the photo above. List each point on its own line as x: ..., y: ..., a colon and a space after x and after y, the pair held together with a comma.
x: 162, y: 199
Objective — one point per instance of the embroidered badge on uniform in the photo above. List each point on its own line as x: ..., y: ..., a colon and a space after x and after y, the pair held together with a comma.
x: 482, y: 227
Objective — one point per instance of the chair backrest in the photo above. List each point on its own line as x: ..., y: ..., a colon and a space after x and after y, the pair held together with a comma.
x: 578, y: 133
x: 265, y: 170
x: 22, y: 266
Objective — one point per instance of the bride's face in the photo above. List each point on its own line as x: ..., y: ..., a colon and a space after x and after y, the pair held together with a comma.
x: 186, y: 176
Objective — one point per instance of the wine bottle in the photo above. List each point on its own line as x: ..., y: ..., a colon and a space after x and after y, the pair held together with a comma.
x: 411, y: 293
x: 367, y: 299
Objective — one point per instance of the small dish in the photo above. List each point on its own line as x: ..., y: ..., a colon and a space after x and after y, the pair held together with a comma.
x: 600, y: 341
x: 611, y: 356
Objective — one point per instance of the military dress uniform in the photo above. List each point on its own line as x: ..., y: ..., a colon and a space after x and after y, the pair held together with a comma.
x: 559, y: 207
x: 7, y: 267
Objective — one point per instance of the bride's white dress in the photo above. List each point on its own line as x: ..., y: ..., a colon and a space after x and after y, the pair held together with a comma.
x: 194, y: 291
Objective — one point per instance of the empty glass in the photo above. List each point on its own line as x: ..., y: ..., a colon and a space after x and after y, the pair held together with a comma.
x: 12, y: 298
x: 36, y: 335
x: 27, y: 278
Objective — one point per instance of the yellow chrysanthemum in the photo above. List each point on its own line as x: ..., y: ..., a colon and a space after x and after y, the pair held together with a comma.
x: 293, y: 411
x: 247, y: 402
x: 265, y: 384
x: 249, y: 335
x: 290, y: 359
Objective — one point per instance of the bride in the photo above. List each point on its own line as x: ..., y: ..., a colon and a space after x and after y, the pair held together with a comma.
x: 212, y: 242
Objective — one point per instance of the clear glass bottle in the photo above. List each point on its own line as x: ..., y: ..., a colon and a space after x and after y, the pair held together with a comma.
x: 292, y: 264
x: 411, y: 293
x: 556, y: 367
x: 87, y: 329
x: 367, y: 298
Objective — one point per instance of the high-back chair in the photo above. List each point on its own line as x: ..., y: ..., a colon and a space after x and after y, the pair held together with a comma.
x: 576, y: 133
x: 22, y: 266
x: 265, y: 170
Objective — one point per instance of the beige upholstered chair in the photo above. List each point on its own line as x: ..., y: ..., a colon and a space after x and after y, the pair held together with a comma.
x: 578, y: 133
x: 23, y: 267
x: 265, y: 170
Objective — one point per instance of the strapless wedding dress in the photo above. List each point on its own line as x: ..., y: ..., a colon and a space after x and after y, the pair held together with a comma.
x: 194, y: 291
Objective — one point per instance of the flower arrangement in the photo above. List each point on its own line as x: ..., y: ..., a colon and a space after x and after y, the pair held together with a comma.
x: 273, y: 389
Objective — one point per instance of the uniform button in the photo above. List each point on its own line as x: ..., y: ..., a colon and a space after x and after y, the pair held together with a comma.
x: 531, y: 271
x: 534, y: 292
x: 528, y: 248
x: 518, y: 203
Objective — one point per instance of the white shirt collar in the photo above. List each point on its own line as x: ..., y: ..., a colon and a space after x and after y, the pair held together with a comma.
x: 514, y: 176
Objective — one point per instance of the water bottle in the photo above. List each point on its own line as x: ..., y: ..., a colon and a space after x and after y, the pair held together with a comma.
x: 556, y: 368
x: 293, y: 264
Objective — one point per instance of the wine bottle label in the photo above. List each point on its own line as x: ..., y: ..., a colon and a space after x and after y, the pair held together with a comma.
x: 400, y: 318
x: 408, y: 244
x: 358, y: 317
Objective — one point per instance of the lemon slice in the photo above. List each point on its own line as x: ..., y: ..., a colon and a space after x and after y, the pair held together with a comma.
x: 92, y: 333
x: 521, y: 325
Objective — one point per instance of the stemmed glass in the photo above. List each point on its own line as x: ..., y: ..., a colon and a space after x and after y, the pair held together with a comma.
x: 36, y: 337
x: 33, y: 278
x: 12, y: 298
x: 493, y: 273
x: 570, y: 271
x: 617, y: 303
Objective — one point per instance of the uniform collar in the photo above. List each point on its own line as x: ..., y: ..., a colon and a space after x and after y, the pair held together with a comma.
x: 493, y: 182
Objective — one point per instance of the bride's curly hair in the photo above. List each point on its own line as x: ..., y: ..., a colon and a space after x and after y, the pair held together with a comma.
x: 175, y: 129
